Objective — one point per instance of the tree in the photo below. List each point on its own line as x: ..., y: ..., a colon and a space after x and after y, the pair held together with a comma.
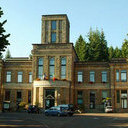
x: 117, y: 53
x: 125, y: 48
x: 8, y: 54
x: 1, y: 56
x: 3, y: 37
x: 111, y: 52
x: 80, y: 48
x: 98, y: 50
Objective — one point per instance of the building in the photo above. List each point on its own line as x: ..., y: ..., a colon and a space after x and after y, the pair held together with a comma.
x: 54, y: 75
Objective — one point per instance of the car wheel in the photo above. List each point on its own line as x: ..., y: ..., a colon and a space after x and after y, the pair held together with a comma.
x: 58, y: 114
x: 46, y: 114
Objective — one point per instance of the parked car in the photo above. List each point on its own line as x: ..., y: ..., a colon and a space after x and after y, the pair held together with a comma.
x: 33, y: 109
x: 58, y: 111
x: 108, y: 109
x: 68, y: 106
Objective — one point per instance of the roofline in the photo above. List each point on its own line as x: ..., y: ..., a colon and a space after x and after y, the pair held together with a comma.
x: 57, y: 15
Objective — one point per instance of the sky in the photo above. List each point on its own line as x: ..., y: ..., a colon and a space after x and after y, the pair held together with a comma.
x: 24, y: 20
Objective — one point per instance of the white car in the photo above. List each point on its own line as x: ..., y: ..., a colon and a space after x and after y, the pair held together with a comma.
x: 108, y: 109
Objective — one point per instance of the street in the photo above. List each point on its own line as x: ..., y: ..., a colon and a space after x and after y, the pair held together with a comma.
x: 87, y: 120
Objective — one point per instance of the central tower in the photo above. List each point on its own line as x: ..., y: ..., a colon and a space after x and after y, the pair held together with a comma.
x: 55, y: 29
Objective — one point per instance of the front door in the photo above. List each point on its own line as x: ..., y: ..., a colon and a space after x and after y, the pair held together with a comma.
x: 92, y: 100
x: 49, y: 98
x: 49, y: 103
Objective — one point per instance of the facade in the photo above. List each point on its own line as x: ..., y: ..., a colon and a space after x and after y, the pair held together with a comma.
x: 54, y: 75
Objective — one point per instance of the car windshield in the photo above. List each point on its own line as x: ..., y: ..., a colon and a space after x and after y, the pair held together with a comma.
x: 64, y: 108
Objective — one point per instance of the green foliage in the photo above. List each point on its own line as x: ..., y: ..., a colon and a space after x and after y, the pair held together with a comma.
x: 22, y: 104
x: 3, y: 37
x: 95, y: 50
x: 111, y: 52
x: 8, y: 54
x: 117, y: 53
x: 98, y: 46
x: 125, y: 48
x: 80, y: 48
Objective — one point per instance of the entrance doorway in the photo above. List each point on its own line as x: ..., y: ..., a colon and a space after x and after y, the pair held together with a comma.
x: 92, y: 100
x: 49, y: 98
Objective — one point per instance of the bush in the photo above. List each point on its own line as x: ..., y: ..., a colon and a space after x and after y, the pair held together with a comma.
x: 22, y: 104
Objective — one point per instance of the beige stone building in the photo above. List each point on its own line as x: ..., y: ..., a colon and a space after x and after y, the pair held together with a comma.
x: 54, y: 75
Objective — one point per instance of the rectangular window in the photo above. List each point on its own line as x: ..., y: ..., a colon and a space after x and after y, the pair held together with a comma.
x: 29, y: 96
x: 51, y: 67
x: 80, y: 76
x: 92, y: 76
x: 104, y: 94
x: 30, y: 77
x: 53, y: 25
x: 20, y: 77
x: 40, y: 68
x: 123, y: 75
x: 79, y: 97
x: 104, y: 76
x: 7, y: 95
x: 19, y: 96
x: 8, y: 77
x: 53, y: 37
x: 63, y: 68
x: 118, y: 96
x: 117, y: 75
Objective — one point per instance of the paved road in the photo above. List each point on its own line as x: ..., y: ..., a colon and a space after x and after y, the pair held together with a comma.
x: 90, y: 120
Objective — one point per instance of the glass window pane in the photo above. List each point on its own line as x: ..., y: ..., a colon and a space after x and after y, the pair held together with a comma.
x: 79, y: 101
x: 104, y: 94
x: 8, y: 77
x: 80, y: 77
x: 104, y: 76
x: 63, y: 68
x: 20, y: 75
x: 53, y: 37
x: 40, y: 68
x: 30, y: 77
x: 63, y: 72
x: 53, y: 25
x: 51, y: 67
x: 40, y: 61
x: 92, y: 76
x: 117, y: 75
x: 52, y: 61
x: 123, y: 75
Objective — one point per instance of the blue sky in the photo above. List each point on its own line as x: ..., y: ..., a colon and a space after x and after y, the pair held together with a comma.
x: 24, y: 20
